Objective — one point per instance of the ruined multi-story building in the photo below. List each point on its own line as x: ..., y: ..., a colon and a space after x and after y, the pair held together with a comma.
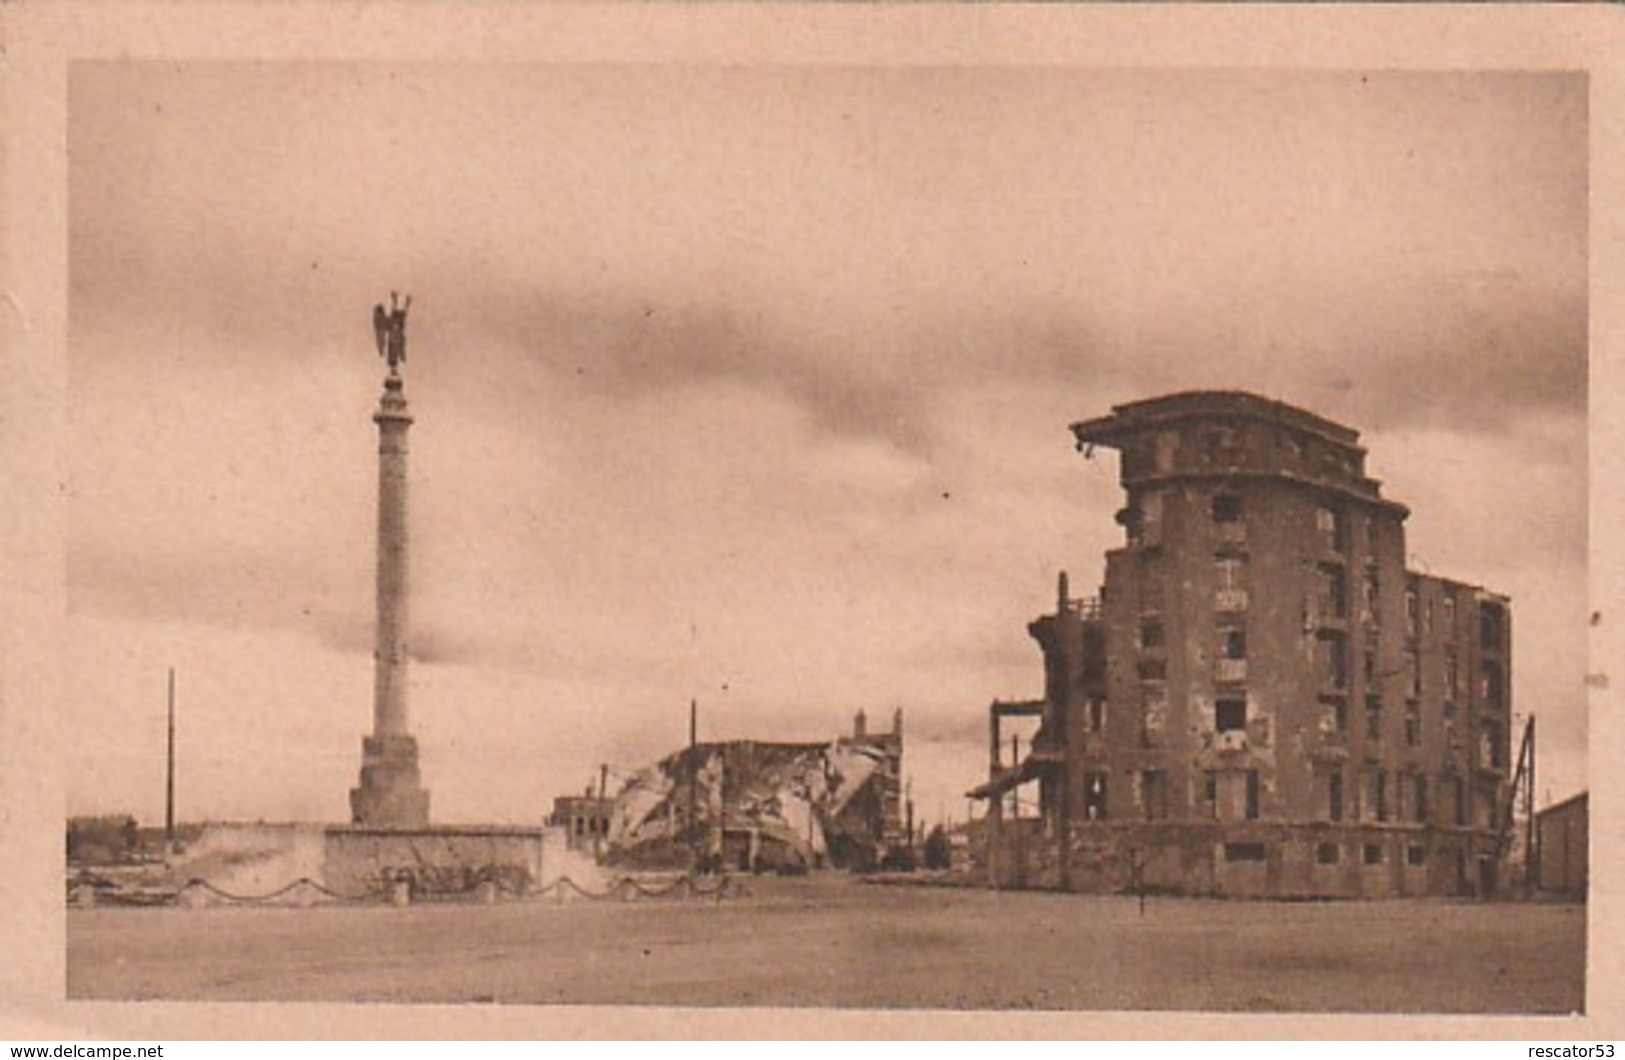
x: 584, y: 818
x: 760, y: 804
x: 1263, y: 699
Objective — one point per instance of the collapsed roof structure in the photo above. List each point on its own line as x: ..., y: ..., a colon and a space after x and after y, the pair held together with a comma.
x: 751, y: 804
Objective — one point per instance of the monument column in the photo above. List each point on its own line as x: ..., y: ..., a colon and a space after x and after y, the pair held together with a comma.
x: 391, y: 792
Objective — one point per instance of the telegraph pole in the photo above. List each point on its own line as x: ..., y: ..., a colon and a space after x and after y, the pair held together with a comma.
x: 169, y: 773
x: 693, y: 780
x: 1018, y: 853
x: 1531, y: 853
x: 1015, y: 764
x: 908, y: 809
x: 600, y: 816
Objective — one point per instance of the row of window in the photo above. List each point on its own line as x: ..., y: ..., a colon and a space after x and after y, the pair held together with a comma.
x: 1231, y: 715
x: 1233, y: 795
x: 1221, y: 445
x: 1412, y: 797
x: 1332, y: 652
x: 1326, y: 853
x: 1228, y: 511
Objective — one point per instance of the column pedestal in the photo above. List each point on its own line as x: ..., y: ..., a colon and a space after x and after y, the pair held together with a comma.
x: 391, y: 794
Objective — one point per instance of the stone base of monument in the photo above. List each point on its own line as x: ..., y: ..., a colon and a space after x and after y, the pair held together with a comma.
x: 253, y: 862
x: 391, y: 794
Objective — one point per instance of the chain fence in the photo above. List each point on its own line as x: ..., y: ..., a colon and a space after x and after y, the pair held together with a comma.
x: 400, y: 887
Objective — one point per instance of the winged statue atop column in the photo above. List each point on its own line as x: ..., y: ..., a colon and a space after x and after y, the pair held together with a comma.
x: 390, y: 327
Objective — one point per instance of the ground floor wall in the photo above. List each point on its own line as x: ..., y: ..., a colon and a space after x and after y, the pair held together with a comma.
x: 1252, y: 860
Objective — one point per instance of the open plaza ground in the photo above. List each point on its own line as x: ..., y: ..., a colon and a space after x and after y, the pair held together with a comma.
x: 837, y: 941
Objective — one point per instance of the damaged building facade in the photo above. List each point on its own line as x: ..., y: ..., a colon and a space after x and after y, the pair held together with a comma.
x: 1262, y: 700
x: 757, y: 805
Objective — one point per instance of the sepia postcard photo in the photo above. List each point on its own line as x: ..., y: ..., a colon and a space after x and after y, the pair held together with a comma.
x: 858, y: 513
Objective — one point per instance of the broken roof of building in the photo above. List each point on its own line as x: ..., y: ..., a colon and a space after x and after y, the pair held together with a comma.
x: 1135, y: 416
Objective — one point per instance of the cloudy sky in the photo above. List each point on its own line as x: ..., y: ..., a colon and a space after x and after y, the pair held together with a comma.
x: 751, y: 384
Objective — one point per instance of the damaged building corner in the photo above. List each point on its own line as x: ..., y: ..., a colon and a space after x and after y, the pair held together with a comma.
x: 1262, y: 700
x: 756, y: 805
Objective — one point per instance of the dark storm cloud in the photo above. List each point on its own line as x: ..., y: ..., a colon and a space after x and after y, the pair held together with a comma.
x: 245, y: 590
x: 1466, y: 352
x: 1482, y: 349
x: 617, y: 345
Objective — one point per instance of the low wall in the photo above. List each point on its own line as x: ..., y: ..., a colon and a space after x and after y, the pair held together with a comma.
x: 253, y: 860
x: 438, y: 860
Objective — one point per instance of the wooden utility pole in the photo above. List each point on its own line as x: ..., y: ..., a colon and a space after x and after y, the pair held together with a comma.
x: 1531, y: 851
x: 693, y: 782
x: 600, y: 817
x: 809, y: 829
x: 908, y: 809
x: 1015, y: 764
x: 722, y: 809
x: 1018, y: 852
x: 169, y: 772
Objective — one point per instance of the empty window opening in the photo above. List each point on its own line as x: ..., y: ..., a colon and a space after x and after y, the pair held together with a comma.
x: 1491, y: 620
x: 1334, y: 664
x: 1372, y: 854
x: 1412, y: 606
x: 1094, y: 796
x: 1491, y: 753
x: 1413, y: 724
x: 1167, y: 450
x: 1252, y: 794
x: 1373, y: 717
x: 1227, y: 508
x: 1230, y: 715
x: 1332, y: 526
x: 1420, y: 800
x: 1094, y: 715
x: 1153, y: 795
x: 1382, y: 794
x: 1327, y: 854
x: 1151, y: 582
x: 1334, y: 796
x: 1230, y: 572
x: 1244, y: 852
x: 1338, y: 708
x: 1151, y: 634
x: 1153, y: 712
x: 1416, y: 855
x: 1232, y: 644
x: 1333, y: 591
x: 1210, y: 793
